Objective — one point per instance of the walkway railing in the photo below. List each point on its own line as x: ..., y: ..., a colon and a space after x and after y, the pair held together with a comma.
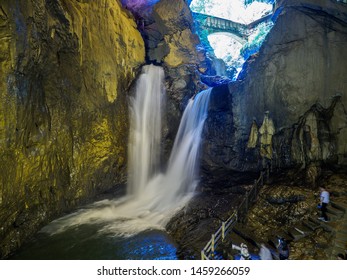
x: 238, y: 215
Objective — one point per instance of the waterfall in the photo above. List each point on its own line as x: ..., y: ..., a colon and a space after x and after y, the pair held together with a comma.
x: 145, y: 128
x: 184, y: 161
x: 153, y: 196
x: 164, y: 192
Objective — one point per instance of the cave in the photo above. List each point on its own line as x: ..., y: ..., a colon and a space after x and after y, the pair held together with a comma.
x: 125, y: 135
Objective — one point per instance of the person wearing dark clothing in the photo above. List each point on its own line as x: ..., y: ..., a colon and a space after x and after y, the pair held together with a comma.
x: 283, y: 249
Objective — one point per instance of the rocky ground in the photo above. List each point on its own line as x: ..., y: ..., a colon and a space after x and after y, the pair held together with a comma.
x: 285, y: 207
x: 192, y: 227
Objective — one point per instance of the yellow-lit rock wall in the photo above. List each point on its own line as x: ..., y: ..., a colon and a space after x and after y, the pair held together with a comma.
x: 65, y: 67
x: 174, y: 23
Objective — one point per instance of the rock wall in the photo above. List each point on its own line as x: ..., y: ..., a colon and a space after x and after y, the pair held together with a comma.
x: 170, y: 42
x: 65, y: 66
x: 298, y: 79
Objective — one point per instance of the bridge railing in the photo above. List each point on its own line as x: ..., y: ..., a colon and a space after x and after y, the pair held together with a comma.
x: 208, y: 251
x: 221, y: 24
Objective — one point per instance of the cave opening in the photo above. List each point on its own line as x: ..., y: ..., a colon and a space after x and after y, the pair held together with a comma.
x: 232, y: 31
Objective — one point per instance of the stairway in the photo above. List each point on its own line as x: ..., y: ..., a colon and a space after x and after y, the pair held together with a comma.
x: 337, y: 226
x: 340, y: 228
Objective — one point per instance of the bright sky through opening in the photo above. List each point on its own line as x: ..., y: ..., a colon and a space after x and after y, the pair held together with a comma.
x: 234, y: 10
x: 224, y: 45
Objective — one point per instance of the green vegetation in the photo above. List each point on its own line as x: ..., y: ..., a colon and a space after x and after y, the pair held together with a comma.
x: 255, y: 40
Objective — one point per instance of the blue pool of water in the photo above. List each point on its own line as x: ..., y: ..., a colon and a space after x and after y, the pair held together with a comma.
x: 84, y: 242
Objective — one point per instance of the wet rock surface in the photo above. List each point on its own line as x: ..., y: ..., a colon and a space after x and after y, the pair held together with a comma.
x: 295, y: 79
x: 167, y: 29
x: 65, y: 67
x: 192, y: 226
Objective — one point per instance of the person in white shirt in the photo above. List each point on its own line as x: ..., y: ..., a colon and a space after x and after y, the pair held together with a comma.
x: 324, y: 201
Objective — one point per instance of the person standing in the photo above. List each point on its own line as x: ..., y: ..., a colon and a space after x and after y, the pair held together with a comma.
x: 283, y: 249
x: 324, y: 201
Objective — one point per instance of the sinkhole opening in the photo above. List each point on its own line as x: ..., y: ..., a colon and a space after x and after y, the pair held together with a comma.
x: 232, y: 30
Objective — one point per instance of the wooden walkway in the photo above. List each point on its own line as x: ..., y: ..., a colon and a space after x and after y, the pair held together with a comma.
x: 336, y: 228
x: 340, y: 231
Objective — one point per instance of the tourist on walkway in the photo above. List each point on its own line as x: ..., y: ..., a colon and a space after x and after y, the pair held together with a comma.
x: 265, y: 253
x: 243, y: 250
x: 283, y: 249
x: 324, y: 201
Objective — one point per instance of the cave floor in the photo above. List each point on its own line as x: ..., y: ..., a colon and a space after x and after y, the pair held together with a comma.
x: 284, y: 207
x: 296, y: 220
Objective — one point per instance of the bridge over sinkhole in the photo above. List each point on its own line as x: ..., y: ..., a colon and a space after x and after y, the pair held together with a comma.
x: 239, y: 31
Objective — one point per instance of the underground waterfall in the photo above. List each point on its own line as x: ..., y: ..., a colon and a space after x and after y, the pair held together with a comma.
x: 137, y: 220
x: 162, y: 193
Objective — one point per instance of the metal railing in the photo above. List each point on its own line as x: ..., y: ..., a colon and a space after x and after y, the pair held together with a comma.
x: 238, y: 215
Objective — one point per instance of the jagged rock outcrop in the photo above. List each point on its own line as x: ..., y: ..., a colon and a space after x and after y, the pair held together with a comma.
x: 64, y: 70
x: 170, y: 42
x: 299, y: 77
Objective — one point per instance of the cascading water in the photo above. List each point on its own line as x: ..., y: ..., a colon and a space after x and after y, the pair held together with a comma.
x: 146, y: 112
x: 184, y: 159
x: 153, y: 196
x: 163, y: 193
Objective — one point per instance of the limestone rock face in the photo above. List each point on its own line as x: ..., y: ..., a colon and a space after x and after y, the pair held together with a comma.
x: 65, y: 66
x: 298, y: 76
x: 170, y: 42
x: 172, y: 23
